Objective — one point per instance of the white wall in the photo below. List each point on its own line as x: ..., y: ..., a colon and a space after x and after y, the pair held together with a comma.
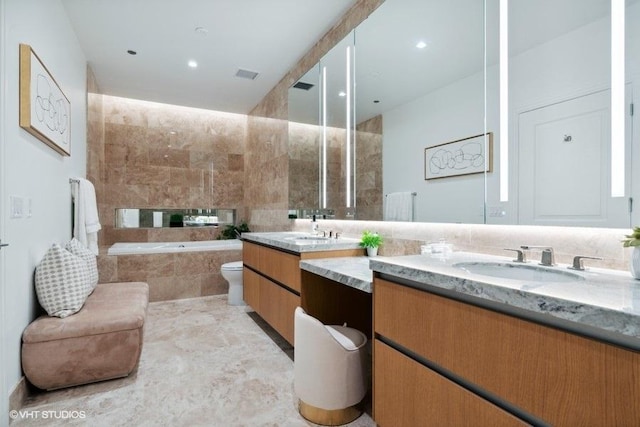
x: 4, y: 398
x: 574, y: 64
x: 450, y: 113
x: 31, y: 169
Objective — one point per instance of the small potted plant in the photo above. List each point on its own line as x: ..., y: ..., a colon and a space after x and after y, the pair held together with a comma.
x: 371, y: 241
x: 233, y: 231
x: 176, y: 220
x: 633, y: 241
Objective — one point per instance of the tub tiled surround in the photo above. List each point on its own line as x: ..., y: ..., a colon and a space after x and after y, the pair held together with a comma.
x: 405, y: 238
x: 150, y: 155
x: 173, y: 275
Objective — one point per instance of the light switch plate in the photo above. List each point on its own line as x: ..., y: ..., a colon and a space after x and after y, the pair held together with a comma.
x: 16, y: 204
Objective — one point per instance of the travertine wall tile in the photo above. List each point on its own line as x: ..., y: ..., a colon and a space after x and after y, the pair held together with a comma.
x: 268, y: 130
x: 173, y: 275
x: 163, y: 156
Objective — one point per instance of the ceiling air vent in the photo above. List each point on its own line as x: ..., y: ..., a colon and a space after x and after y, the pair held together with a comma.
x: 303, y: 85
x: 246, y: 74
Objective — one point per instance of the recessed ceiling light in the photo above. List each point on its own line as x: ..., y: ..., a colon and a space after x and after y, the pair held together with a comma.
x: 132, y: 52
x: 192, y: 64
x: 342, y: 93
x: 421, y: 45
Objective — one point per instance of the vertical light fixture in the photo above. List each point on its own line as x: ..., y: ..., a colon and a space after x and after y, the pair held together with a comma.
x: 323, y: 203
x: 617, y: 98
x: 504, y: 101
x: 348, y: 129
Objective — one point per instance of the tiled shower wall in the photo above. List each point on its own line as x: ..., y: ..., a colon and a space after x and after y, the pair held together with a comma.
x: 148, y: 155
x: 163, y: 156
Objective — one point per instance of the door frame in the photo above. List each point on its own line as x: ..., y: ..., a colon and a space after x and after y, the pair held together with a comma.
x: 4, y: 391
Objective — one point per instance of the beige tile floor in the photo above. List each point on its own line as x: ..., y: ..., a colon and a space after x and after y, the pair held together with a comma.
x: 204, y: 363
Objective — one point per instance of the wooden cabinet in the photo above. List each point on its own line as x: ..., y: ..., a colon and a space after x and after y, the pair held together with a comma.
x: 272, y: 282
x: 277, y: 307
x: 251, y: 288
x: 547, y: 373
x: 409, y: 394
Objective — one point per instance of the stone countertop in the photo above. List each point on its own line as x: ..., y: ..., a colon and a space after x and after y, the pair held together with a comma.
x: 350, y: 271
x: 605, y: 305
x: 301, y: 242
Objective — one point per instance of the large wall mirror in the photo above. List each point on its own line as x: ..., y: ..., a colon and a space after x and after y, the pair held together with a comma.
x: 563, y: 164
x: 559, y: 168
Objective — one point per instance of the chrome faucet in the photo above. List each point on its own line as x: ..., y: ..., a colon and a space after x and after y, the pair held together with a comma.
x: 521, y: 255
x: 578, y: 264
x: 548, y: 258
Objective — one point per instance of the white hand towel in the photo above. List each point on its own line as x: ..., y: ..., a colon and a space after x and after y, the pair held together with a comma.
x: 85, y: 215
x: 399, y: 207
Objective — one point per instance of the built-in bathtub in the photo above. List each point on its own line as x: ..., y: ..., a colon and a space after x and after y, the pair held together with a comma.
x: 139, y: 248
x: 173, y: 270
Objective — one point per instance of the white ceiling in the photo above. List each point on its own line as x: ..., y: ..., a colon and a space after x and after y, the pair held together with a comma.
x: 390, y: 68
x: 268, y: 37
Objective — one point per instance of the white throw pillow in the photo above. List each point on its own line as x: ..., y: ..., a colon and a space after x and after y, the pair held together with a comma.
x: 79, y: 250
x: 62, y: 282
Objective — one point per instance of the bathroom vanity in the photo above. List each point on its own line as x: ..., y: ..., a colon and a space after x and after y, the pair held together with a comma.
x: 273, y: 284
x: 452, y: 345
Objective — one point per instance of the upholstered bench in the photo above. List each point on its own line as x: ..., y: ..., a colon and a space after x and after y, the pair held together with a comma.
x: 101, y: 341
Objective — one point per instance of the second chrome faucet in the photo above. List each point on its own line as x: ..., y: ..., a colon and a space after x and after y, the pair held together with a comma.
x: 547, y: 258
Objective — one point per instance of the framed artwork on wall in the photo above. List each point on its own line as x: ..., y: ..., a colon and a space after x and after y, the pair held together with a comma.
x: 460, y: 157
x: 45, y: 111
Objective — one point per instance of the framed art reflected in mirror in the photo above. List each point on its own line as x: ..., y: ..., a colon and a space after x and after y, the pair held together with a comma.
x: 464, y: 156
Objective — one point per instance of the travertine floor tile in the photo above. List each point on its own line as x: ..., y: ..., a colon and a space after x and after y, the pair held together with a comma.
x: 203, y: 363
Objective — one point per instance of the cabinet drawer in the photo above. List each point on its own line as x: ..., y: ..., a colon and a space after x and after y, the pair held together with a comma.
x: 280, y: 266
x: 407, y: 393
x: 562, y: 378
x: 251, y: 254
x: 277, y: 306
x: 251, y: 288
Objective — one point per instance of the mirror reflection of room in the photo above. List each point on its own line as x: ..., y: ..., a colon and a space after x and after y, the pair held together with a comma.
x: 415, y: 93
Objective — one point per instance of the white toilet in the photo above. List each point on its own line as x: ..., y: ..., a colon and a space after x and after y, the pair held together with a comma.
x: 232, y: 273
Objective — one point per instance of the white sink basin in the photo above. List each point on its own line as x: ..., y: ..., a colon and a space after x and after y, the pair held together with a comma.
x: 524, y: 272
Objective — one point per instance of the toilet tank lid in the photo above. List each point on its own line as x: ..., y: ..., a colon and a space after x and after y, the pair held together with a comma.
x: 236, y: 265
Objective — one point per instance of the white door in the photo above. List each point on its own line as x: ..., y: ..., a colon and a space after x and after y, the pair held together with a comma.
x: 564, y: 161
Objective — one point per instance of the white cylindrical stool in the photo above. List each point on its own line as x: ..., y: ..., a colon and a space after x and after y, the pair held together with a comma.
x: 330, y: 370
x: 232, y: 273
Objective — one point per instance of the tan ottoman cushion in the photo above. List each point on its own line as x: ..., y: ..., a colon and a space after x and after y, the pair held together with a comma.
x: 101, y: 341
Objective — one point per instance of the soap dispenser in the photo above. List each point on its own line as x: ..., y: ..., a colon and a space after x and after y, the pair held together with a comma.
x: 314, y: 226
